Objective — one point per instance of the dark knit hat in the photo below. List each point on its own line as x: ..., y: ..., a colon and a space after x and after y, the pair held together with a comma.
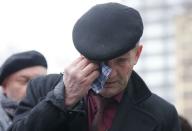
x: 107, y: 31
x: 20, y: 61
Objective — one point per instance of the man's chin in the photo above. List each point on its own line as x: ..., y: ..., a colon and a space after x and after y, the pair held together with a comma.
x: 110, y: 85
x: 105, y: 92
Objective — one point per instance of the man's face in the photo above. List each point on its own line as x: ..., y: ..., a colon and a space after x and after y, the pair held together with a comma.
x: 121, y: 71
x: 15, y: 85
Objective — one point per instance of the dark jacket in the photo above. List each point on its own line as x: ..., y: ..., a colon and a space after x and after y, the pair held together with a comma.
x: 43, y: 109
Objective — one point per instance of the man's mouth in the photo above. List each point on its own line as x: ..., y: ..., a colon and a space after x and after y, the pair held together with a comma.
x: 110, y: 82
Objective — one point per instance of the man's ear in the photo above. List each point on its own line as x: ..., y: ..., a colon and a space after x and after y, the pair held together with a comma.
x: 138, y: 51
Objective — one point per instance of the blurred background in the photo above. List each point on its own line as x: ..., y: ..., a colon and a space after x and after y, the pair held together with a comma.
x: 166, y: 62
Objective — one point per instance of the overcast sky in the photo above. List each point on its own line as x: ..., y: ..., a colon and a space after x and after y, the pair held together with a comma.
x: 43, y: 25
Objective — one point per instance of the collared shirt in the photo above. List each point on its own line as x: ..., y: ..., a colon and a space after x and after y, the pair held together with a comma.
x: 109, y: 111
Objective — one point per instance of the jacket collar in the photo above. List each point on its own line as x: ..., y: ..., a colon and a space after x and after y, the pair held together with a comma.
x: 136, y: 89
x: 130, y: 116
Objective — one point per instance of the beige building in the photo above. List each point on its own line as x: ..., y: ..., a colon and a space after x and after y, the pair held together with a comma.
x: 184, y: 63
x: 166, y: 60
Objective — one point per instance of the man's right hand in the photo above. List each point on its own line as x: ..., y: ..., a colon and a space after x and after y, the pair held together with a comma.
x: 78, y: 77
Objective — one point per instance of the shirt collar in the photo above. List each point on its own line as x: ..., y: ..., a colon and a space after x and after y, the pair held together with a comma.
x: 117, y: 97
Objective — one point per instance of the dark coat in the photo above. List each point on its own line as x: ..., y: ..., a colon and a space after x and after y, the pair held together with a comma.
x: 43, y: 109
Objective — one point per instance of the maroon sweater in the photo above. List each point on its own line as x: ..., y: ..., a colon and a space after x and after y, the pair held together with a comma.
x: 108, y: 113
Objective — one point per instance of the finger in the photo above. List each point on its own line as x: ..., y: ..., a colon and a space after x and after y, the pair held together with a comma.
x: 82, y: 64
x: 71, y: 66
x: 92, y: 77
x: 76, y: 61
x: 89, y: 69
x: 76, y: 65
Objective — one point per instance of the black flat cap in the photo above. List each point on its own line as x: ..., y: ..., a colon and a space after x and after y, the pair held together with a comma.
x: 107, y: 31
x: 20, y: 61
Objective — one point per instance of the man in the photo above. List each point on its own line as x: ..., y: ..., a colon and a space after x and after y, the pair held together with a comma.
x: 15, y: 73
x: 99, y: 90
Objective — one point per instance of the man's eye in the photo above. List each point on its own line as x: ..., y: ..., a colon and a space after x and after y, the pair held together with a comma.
x: 122, y: 60
x: 24, y: 81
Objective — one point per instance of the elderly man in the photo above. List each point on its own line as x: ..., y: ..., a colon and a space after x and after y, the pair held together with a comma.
x: 15, y: 73
x: 99, y: 91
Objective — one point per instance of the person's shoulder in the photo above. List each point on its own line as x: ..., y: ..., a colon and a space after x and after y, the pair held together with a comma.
x: 159, y: 108
x: 159, y: 105
x: 47, y: 79
x: 44, y: 83
x: 156, y: 100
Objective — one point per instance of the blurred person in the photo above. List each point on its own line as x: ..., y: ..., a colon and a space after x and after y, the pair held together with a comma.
x: 15, y: 74
x: 185, y: 125
x: 99, y: 91
x: 4, y: 119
